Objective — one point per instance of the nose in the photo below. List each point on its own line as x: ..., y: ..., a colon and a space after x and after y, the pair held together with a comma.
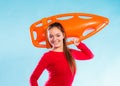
x: 54, y: 38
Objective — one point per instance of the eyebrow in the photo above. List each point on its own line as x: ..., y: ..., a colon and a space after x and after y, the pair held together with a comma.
x: 56, y: 34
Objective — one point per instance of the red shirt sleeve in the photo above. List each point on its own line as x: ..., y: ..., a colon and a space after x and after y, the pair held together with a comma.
x: 83, y: 54
x: 38, y: 71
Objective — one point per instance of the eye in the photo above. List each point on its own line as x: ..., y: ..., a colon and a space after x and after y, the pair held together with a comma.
x: 58, y: 35
x: 50, y: 36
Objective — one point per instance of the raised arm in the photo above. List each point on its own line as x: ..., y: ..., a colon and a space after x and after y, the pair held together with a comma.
x: 83, y: 54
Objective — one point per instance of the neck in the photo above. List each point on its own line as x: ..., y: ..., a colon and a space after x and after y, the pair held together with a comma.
x: 58, y: 49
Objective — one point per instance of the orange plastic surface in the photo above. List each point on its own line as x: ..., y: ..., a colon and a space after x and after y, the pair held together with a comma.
x: 81, y: 25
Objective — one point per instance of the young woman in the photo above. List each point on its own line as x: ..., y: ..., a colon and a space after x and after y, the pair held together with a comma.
x: 60, y: 60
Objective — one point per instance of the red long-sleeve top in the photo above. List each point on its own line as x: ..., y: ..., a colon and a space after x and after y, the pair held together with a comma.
x: 58, y: 67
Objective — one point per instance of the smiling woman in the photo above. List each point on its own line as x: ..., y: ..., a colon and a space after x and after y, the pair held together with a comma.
x: 60, y: 60
x: 56, y: 36
x: 18, y: 56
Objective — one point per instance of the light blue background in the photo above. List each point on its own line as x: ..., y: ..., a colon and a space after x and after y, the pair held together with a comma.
x: 18, y: 57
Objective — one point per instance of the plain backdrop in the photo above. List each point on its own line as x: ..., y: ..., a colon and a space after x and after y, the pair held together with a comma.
x: 18, y: 56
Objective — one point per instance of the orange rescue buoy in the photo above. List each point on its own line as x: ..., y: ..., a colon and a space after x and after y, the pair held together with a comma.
x: 81, y: 25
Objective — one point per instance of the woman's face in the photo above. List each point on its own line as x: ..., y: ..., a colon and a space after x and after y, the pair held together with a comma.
x: 55, y: 37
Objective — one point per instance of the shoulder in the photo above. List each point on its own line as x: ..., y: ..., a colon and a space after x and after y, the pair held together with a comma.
x: 46, y: 55
x: 44, y: 58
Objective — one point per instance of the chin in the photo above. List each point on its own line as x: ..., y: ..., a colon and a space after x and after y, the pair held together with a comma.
x: 56, y: 46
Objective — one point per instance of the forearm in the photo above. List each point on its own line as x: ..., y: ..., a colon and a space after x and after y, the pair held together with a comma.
x: 85, y: 50
x: 33, y: 81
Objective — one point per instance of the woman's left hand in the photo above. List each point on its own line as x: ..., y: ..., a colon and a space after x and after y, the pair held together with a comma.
x: 76, y: 41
